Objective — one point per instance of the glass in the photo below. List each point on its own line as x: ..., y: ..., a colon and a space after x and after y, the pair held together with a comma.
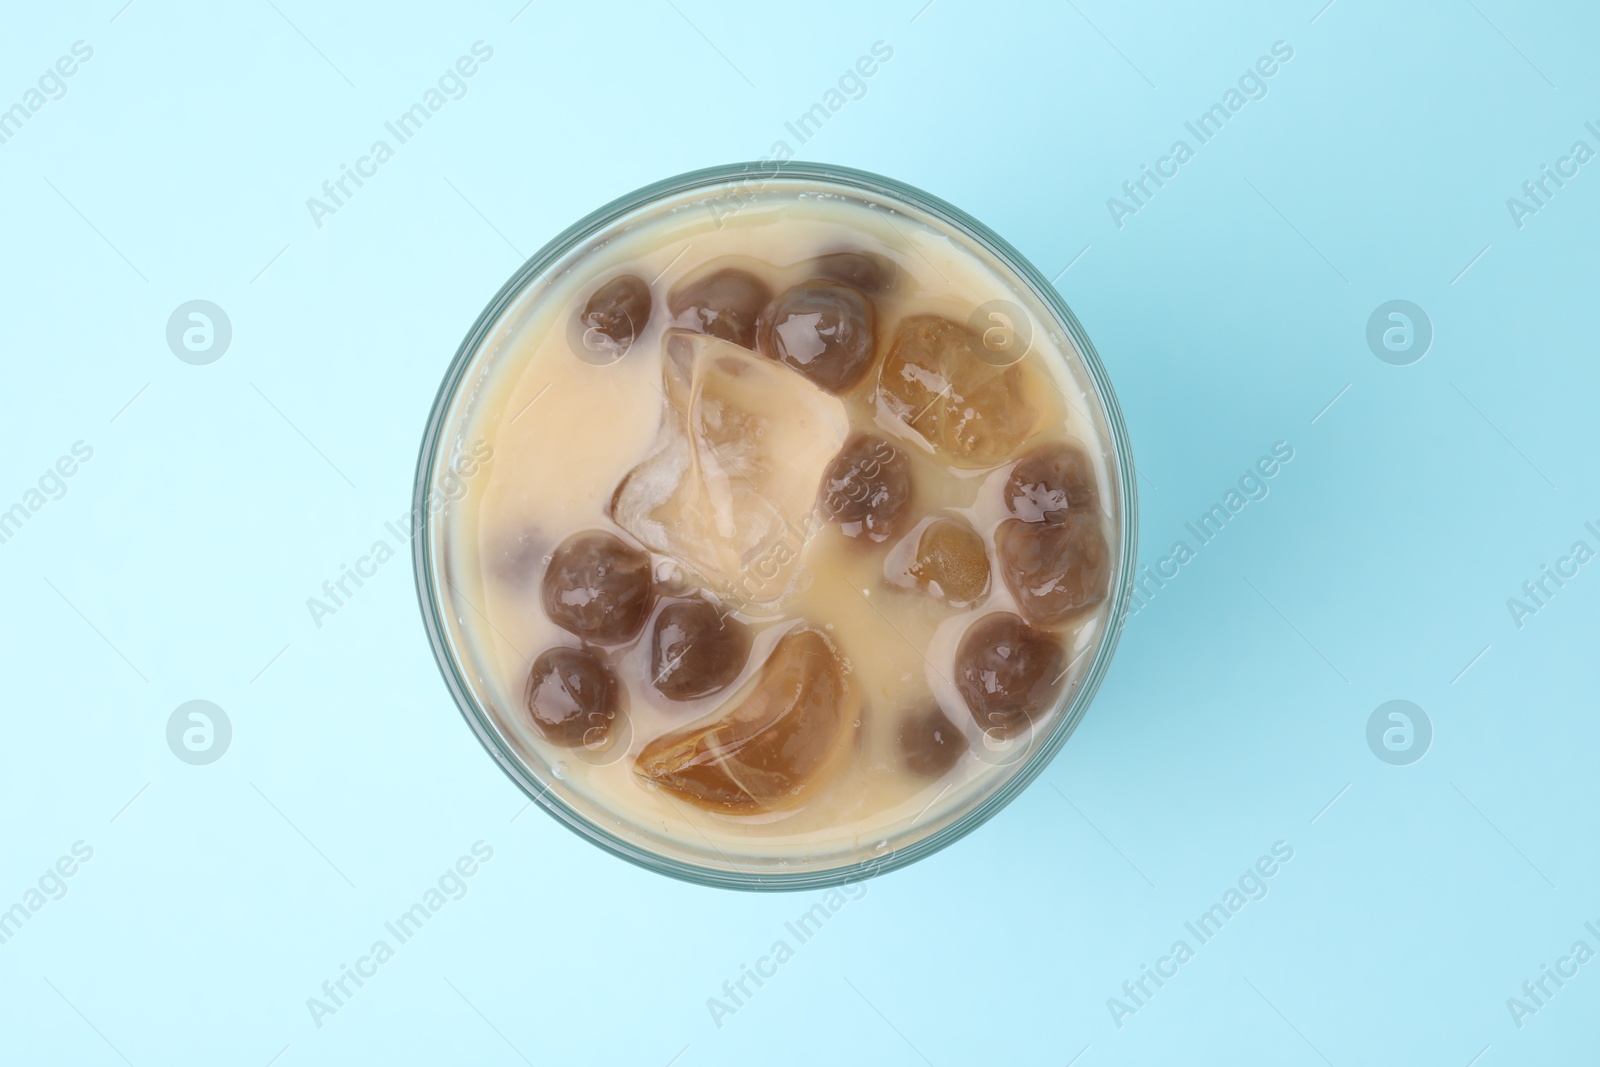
x: 724, y: 189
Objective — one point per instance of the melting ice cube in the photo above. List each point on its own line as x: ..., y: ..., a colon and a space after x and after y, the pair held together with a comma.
x: 783, y: 733
x: 973, y: 413
x: 731, y: 486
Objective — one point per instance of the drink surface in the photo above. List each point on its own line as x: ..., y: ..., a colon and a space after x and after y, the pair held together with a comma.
x: 855, y: 521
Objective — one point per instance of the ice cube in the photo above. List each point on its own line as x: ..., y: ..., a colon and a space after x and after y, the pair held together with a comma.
x: 730, y: 489
x: 788, y: 729
x: 973, y: 413
x: 950, y: 562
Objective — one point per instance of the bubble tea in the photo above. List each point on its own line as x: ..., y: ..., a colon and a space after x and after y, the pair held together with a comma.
x: 797, y: 531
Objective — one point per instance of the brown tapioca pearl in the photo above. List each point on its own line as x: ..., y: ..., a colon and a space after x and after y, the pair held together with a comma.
x: 867, y: 488
x: 573, y: 697
x: 615, y: 315
x: 822, y: 329
x: 724, y: 303
x: 696, y: 650
x: 930, y: 744
x: 598, y: 587
x: 867, y: 271
x: 1008, y: 673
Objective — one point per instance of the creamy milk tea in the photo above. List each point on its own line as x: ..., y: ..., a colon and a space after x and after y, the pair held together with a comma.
x: 796, y: 533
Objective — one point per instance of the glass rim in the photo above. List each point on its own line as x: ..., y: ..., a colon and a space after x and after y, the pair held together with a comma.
x: 1067, y: 717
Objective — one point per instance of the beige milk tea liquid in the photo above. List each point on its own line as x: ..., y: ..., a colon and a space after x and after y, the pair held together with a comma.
x: 794, y: 533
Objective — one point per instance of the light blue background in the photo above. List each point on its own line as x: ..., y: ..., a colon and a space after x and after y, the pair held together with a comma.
x: 1229, y: 311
